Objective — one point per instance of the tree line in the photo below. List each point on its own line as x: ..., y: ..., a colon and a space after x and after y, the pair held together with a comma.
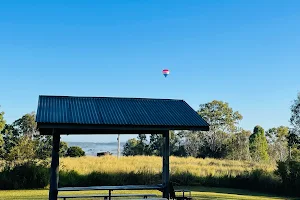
x: 226, y: 139
x: 21, y: 140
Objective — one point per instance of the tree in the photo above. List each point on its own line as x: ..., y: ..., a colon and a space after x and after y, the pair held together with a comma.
x: 177, y: 144
x: 258, y: 145
x: 139, y: 146
x: 293, y: 145
x: 293, y: 137
x: 223, y: 121
x: 43, y: 145
x: 2, y: 150
x: 2, y: 121
x: 75, y: 151
x: 130, y: 148
x: 142, y: 148
x: 295, y: 117
x: 63, y: 149
x: 2, y: 124
x: 238, y: 146
x: 156, y: 144
x: 10, y: 136
x: 25, y: 149
x: 278, y: 143
x: 295, y: 154
x: 27, y: 125
x: 176, y: 148
x: 192, y: 143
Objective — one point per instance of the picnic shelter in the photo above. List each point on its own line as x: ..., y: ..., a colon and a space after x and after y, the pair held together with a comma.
x: 70, y: 115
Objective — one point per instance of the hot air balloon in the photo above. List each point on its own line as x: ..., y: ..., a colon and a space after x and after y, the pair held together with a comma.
x: 165, y: 72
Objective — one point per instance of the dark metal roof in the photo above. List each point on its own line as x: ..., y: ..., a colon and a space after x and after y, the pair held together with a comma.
x: 116, y: 111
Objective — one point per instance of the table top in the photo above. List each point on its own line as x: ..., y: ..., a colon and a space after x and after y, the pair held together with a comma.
x: 182, y: 190
x: 122, y: 187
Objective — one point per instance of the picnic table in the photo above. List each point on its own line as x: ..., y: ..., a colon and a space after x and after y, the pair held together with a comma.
x: 183, y: 197
x: 110, y: 189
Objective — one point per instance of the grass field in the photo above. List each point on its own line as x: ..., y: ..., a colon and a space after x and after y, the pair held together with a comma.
x: 198, y: 193
x: 196, y: 166
x: 126, y: 165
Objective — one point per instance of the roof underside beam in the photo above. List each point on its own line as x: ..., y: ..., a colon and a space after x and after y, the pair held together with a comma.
x: 46, y: 129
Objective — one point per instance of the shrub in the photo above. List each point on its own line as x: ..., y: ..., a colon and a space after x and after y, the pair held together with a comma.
x: 74, y: 179
x: 27, y: 175
x: 75, y: 152
x: 289, y: 172
x: 70, y: 178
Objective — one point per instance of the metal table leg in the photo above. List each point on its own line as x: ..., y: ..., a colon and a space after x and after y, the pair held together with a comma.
x: 109, y: 194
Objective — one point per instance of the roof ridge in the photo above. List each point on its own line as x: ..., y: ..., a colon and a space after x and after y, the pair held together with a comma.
x: 110, y: 97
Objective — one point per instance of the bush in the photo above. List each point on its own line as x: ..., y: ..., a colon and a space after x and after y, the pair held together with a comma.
x: 74, y: 179
x: 27, y: 175
x: 75, y: 152
x: 70, y: 179
x: 289, y: 172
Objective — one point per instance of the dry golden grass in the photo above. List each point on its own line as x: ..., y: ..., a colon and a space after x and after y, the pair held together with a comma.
x: 195, y: 166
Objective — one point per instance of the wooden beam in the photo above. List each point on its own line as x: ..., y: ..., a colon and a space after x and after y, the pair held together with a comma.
x: 166, y: 164
x: 54, y: 167
x: 106, y: 129
x: 48, y: 131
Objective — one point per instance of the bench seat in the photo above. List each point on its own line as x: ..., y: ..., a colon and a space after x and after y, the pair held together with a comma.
x: 152, y: 199
x: 105, y: 196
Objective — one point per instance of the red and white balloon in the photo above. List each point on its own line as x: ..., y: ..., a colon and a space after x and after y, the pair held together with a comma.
x: 166, y: 72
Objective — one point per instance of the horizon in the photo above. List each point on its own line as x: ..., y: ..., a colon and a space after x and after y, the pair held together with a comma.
x: 95, y: 142
x: 245, y: 54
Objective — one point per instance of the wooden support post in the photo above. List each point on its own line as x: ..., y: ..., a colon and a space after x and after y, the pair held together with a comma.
x: 54, y: 167
x: 119, y: 151
x: 166, y: 154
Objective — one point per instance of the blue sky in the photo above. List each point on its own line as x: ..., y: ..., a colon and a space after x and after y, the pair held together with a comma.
x: 244, y: 53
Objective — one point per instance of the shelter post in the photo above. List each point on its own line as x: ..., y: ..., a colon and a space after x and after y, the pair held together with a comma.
x: 165, y: 174
x: 119, y: 146
x: 54, y: 167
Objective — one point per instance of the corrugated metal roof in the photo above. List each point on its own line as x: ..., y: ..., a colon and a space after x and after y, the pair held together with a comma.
x: 117, y: 111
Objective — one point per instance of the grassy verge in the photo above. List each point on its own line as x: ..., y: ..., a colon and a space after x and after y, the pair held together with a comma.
x: 198, y: 193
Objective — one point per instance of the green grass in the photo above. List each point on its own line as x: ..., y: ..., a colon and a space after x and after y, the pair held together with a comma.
x: 198, y: 193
